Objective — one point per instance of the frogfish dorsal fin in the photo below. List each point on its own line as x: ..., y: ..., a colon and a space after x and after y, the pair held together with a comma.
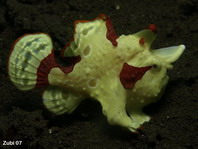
x: 147, y: 35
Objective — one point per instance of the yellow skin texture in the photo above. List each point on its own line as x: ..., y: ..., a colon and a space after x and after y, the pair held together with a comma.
x: 96, y: 76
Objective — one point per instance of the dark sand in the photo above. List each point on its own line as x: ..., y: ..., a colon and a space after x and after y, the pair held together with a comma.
x: 174, y: 123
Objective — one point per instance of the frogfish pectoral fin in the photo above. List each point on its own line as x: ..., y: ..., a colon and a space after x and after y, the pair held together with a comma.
x: 59, y: 101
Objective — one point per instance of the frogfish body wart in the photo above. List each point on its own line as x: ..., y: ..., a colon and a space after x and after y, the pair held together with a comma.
x: 122, y: 72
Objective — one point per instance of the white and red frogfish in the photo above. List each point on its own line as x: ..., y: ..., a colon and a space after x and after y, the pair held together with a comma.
x: 122, y: 72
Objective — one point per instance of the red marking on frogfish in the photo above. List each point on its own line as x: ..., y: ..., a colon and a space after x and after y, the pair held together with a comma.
x: 111, y: 34
x: 153, y: 28
x: 45, y: 67
x: 129, y: 75
x: 141, y: 41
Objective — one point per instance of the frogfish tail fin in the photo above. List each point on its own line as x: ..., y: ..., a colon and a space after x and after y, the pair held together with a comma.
x: 31, y: 60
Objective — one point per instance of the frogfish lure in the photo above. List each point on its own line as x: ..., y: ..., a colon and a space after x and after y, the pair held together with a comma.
x: 122, y: 72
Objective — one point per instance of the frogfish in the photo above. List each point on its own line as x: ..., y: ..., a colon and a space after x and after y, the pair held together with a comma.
x: 123, y: 73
